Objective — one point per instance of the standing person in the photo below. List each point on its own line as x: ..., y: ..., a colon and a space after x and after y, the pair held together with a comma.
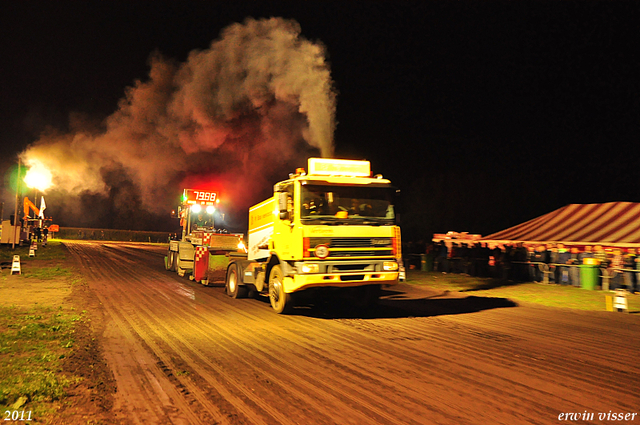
x: 617, y: 263
x: 552, y: 260
x: 506, y: 262
x: 474, y: 254
x: 600, y: 254
x: 521, y: 257
x: 637, y: 267
x: 495, y: 262
x: 629, y: 263
x: 38, y: 234
x: 574, y: 272
x: 563, y: 272
x: 531, y: 258
x: 45, y: 236
x: 485, y: 256
x: 441, y: 259
x: 587, y: 253
x: 454, y: 259
x: 541, y: 257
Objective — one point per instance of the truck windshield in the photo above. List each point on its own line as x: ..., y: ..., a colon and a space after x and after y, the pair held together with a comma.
x: 358, y: 203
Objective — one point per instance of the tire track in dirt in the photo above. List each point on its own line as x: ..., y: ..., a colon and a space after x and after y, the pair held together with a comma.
x: 554, y: 363
x: 578, y: 397
x: 147, y: 394
x: 356, y: 404
x: 304, y: 379
x: 138, y: 316
x: 309, y: 388
x: 248, y: 365
x: 131, y: 314
x: 504, y: 354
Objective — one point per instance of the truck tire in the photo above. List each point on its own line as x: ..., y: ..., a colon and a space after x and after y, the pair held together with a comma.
x: 234, y: 289
x: 280, y: 301
x: 176, y: 262
x: 167, y: 264
x: 174, y: 266
x: 171, y: 261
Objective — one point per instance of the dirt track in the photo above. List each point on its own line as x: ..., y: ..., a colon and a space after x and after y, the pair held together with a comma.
x: 183, y: 353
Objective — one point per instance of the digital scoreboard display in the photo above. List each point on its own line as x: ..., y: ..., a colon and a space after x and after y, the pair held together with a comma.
x: 202, y: 197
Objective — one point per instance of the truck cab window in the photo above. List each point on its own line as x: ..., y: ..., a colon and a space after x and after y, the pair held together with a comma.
x: 321, y: 200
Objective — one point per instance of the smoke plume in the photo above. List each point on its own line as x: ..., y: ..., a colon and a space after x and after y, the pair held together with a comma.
x: 234, y: 117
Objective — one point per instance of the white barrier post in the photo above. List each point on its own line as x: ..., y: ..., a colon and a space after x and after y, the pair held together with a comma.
x: 620, y: 301
x: 15, y: 266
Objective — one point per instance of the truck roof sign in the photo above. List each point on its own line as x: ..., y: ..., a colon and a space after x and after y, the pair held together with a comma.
x: 339, y: 167
x: 201, y: 197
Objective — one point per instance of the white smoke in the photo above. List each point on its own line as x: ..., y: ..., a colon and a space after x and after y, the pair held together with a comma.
x: 258, y: 98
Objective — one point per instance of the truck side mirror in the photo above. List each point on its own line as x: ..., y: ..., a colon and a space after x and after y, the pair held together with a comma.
x: 282, y: 205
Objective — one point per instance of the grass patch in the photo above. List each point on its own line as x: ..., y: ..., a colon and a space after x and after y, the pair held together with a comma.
x: 544, y: 294
x: 33, y: 343
x: 48, y: 273
x: 54, y: 250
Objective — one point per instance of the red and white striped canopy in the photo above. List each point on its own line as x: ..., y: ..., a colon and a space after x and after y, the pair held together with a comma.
x: 612, y: 224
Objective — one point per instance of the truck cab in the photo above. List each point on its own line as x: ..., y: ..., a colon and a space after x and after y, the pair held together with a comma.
x: 333, y: 227
x: 202, y: 251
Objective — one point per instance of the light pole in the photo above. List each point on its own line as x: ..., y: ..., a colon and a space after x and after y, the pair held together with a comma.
x: 15, y: 215
x: 38, y: 178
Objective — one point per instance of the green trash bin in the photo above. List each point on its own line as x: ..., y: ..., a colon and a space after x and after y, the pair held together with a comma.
x: 589, y: 275
x: 426, y: 263
x: 423, y: 262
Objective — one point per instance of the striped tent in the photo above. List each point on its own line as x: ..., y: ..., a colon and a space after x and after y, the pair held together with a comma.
x: 614, y: 224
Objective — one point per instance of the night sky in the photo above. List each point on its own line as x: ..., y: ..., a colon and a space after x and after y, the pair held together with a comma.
x: 484, y: 115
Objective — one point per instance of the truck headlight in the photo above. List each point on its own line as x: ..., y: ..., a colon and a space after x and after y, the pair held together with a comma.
x: 310, y: 268
x: 389, y: 266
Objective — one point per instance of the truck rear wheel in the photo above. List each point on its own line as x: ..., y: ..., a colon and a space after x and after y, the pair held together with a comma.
x: 171, y: 261
x: 234, y: 290
x: 167, y: 263
x: 176, y: 262
x: 280, y: 301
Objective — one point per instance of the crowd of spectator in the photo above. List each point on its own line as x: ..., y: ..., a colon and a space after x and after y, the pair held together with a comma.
x: 553, y: 263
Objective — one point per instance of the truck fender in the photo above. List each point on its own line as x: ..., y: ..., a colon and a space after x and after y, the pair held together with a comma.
x: 173, y: 246
x: 272, y: 261
x: 241, y: 265
x: 287, y: 270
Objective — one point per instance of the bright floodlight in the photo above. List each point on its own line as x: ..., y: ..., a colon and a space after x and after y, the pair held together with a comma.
x: 211, y: 209
x: 38, y: 177
x: 196, y: 208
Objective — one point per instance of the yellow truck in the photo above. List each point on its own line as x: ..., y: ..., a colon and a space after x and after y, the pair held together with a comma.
x: 331, y: 227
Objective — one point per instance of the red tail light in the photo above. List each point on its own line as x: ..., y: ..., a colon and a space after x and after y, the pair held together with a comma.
x: 305, y: 248
x: 397, y: 243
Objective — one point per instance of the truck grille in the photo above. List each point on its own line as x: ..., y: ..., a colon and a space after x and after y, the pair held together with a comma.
x: 363, y: 253
x: 354, y: 247
x: 350, y: 242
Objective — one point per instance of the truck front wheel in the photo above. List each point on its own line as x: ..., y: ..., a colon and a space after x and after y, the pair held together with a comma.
x: 234, y: 290
x: 280, y: 301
